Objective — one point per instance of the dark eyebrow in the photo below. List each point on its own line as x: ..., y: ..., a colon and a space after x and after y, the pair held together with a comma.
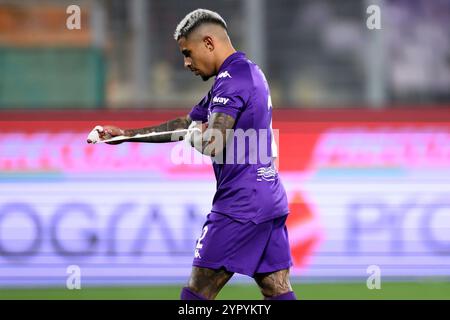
x: 186, y: 52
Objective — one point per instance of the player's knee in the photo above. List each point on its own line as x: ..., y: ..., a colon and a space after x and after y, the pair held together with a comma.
x: 208, y: 282
x: 271, y: 290
x: 203, y: 285
x: 274, y: 284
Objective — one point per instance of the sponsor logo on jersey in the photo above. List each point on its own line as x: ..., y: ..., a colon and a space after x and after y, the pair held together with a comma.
x: 220, y: 100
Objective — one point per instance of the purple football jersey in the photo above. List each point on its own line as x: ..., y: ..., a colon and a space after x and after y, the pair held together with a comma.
x: 248, y: 186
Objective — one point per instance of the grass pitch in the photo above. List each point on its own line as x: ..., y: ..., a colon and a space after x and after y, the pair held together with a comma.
x: 307, y: 291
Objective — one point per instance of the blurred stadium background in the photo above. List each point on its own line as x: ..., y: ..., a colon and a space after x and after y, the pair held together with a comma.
x: 364, y: 135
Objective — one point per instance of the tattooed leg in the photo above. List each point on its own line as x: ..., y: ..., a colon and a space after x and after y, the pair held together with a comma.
x: 208, y: 282
x: 273, y: 284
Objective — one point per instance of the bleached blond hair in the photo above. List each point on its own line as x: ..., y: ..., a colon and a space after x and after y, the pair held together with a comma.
x: 194, y: 19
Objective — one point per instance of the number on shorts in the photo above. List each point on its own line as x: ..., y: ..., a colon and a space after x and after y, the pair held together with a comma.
x: 199, y: 244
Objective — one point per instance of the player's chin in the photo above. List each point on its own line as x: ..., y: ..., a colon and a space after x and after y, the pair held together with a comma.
x: 205, y: 78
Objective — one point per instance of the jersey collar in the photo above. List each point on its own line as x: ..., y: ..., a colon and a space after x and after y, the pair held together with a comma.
x: 232, y: 57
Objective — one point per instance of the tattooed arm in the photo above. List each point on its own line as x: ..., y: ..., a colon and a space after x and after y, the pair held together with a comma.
x: 171, y: 125
x: 213, y: 141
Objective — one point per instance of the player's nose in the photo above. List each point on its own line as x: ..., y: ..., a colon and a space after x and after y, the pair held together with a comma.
x: 187, y: 63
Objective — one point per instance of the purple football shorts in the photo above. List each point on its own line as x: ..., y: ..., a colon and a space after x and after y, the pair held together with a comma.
x: 243, y: 247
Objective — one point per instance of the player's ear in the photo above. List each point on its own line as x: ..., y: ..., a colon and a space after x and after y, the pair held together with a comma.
x: 209, y: 43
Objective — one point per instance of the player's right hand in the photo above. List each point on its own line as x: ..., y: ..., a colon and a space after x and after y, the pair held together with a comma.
x: 111, y: 131
x: 104, y: 133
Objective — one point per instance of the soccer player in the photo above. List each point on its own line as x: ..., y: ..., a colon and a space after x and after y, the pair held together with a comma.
x: 245, y: 231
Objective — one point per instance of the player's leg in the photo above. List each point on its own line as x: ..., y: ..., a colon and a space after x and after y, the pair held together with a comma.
x: 275, y: 285
x: 272, y: 274
x: 224, y: 247
x: 205, y: 283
